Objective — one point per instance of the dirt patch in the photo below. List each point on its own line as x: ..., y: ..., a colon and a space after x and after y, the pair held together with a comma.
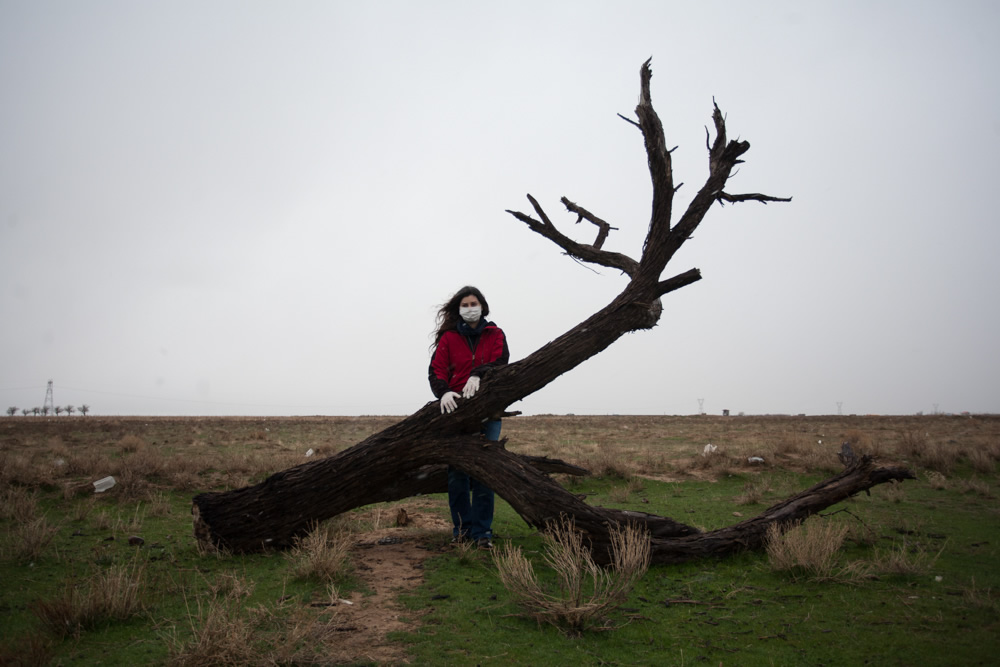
x: 389, y: 560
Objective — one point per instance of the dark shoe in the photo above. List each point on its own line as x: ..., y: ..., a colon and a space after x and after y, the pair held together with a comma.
x: 458, y: 539
x: 484, y: 543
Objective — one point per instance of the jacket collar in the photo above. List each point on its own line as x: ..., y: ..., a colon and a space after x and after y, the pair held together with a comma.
x: 466, y: 330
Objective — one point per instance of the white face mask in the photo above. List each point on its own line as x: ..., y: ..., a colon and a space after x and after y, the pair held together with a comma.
x: 470, y: 315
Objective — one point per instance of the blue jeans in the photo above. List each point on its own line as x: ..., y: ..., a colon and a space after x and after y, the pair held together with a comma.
x: 474, y: 519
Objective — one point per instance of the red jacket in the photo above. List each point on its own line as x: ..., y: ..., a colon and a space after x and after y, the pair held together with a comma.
x: 458, y: 356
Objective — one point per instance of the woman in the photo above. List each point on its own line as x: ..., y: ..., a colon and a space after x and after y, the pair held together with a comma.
x: 466, y: 347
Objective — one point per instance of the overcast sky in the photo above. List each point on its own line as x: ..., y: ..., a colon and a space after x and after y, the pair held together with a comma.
x: 255, y: 208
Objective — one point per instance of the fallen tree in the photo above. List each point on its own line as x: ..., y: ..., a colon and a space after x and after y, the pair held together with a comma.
x: 401, y: 460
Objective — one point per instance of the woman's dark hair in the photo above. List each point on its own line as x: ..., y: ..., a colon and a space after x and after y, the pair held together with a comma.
x: 447, y: 315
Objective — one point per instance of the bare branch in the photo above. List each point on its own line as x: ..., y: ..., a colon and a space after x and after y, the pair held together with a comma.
x: 660, y: 167
x: 723, y: 156
x: 629, y: 120
x: 586, y: 253
x: 540, y: 212
x: 726, y: 197
x: 583, y: 214
x: 678, y: 281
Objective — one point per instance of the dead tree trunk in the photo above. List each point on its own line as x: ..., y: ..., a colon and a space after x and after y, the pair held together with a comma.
x: 388, y: 465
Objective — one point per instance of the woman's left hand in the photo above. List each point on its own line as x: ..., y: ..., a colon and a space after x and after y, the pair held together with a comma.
x: 471, y: 387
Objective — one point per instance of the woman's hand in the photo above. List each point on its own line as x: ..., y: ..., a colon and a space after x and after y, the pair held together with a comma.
x: 471, y: 387
x: 448, y: 403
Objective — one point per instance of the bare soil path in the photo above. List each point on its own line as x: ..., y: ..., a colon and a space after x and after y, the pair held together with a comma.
x: 389, y: 560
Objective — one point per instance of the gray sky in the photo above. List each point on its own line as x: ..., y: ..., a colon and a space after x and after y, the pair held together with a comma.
x: 254, y: 208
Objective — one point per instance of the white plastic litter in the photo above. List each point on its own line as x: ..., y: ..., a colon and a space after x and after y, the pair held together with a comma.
x: 102, y: 485
x: 709, y: 449
x: 755, y: 459
x: 309, y: 452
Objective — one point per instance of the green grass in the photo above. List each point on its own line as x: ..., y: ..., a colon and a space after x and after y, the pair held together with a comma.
x: 177, y: 580
x: 737, y: 610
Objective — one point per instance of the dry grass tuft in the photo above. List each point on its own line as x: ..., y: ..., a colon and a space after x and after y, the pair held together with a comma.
x: 375, y: 517
x: 131, y: 523
x: 979, y: 598
x: 90, y: 462
x: 940, y: 456
x: 323, y: 553
x: 184, y: 480
x: 109, y: 595
x: 808, y: 548
x: 103, y: 521
x: 229, y: 585
x: 893, y: 492
x: 654, y: 460
x: 585, y: 593
x: 621, y: 494
x: 159, y: 505
x: 934, y: 455
x: 466, y: 552
x: 898, y: 560
x: 753, y: 491
x: 911, y: 444
x: 936, y: 480
x: 18, y: 504
x: 131, y: 443
x: 28, y: 541
x: 223, y: 631
x: 862, y: 534
x: 609, y: 461
x: 18, y: 469
x: 982, y: 461
x: 257, y: 465
x: 131, y: 485
x: 220, y: 635
x: 26, y: 650
x: 974, y: 486
x: 81, y: 509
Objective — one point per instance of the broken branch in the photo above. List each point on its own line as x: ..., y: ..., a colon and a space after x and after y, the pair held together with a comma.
x: 583, y: 214
x: 586, y: 253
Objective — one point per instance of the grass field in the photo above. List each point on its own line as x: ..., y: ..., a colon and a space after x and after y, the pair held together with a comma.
x: 905, y: 576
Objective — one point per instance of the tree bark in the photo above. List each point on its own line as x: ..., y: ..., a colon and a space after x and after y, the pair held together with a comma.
x: 398, y: 462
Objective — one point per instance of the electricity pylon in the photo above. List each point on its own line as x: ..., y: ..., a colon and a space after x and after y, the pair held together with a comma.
x: 48, y: 406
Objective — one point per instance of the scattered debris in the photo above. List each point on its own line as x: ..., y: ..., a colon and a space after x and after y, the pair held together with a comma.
x: 136, y: 541
x: 709, y: 449
x: 309, y: 452
x: 103, y: 484
x: 755, y: 460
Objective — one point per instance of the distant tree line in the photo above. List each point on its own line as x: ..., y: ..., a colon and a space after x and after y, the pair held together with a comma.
x: 58, y: 409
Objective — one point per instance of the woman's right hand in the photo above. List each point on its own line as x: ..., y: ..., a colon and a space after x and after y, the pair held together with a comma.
x: 448, y: 403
